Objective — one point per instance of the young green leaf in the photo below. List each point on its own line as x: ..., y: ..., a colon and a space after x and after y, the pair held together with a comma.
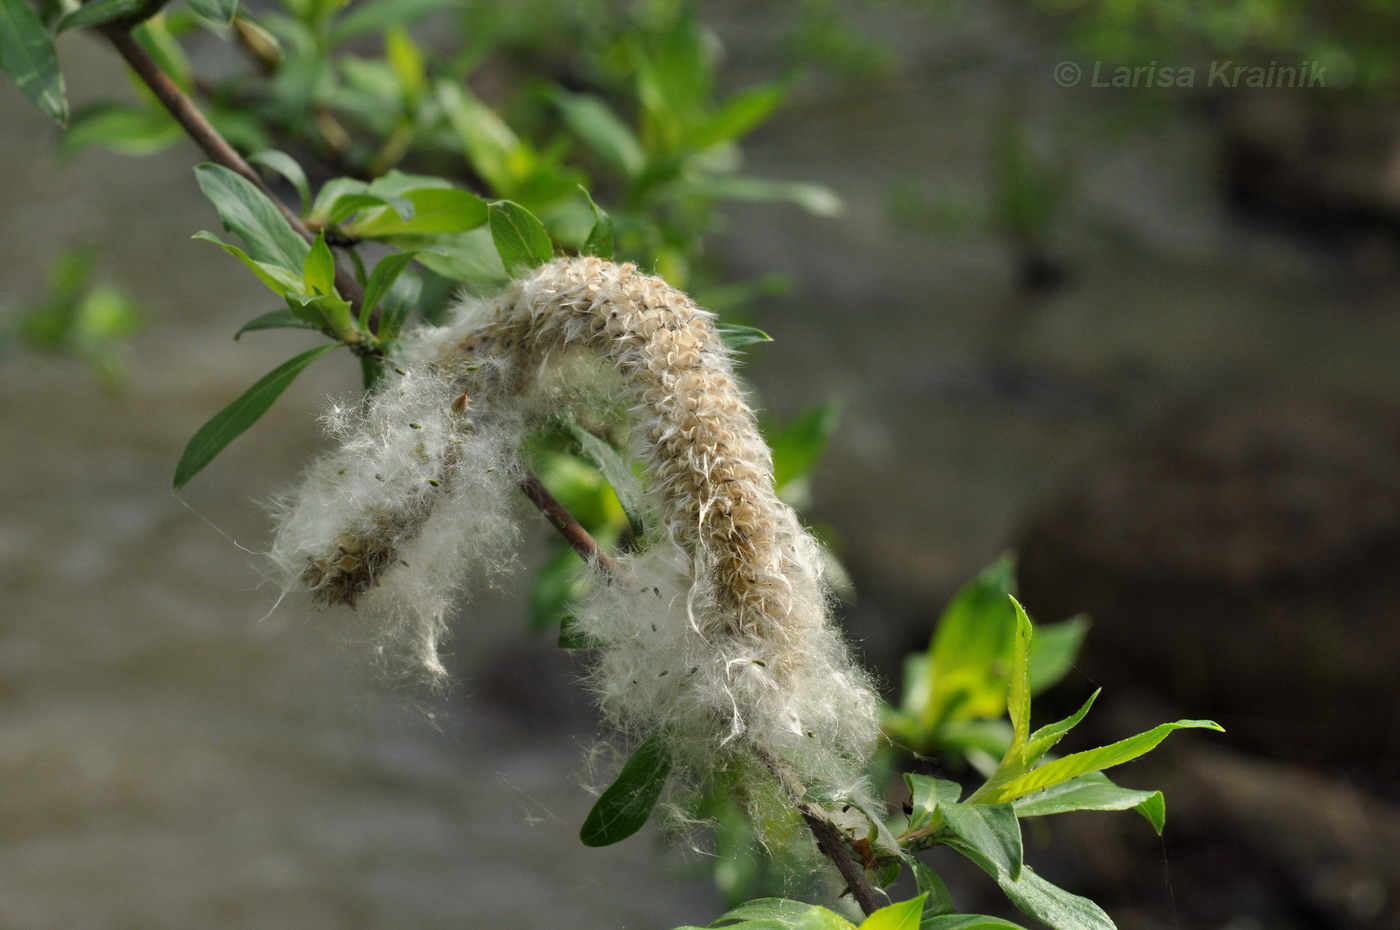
x: 276, y: 319
x: 599, y: 127
x: 1018, y: 694
x: 1093, y: 792
x: 128, y: 130
x: 27, y: 55
x: 230, y: 423
x: 926, y: 794
x: 1091, y: 760
x: 1054, y: 649
x: 738, y: 115
x: 398, y: 303
x: 968, y: 653
x: 248, y: 212
x: 615, y: 471
x: 289, y: 168
x: 318, y: 271
x: 97, y: 13
x: 521, y: 240
x: 937, y: 899
x: 799, y: 446
x: 216, y: 11
x: 469, y: 258
x: 990, y: 829
x: 818, y: 918
x: 902, y: 915
x: 624, y: 807
x: 385, y: 273
x: 737, y: 337
x: 814, y: 198
x: 279, y: 280
x: 553, y: 590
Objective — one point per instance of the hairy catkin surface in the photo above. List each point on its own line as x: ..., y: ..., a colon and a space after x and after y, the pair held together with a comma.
x: 718, y: 633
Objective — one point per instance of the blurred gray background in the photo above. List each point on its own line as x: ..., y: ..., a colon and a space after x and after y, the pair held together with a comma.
x: 1177, y: 401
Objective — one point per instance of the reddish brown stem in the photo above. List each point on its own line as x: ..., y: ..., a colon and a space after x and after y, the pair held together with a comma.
x: 584, y: 544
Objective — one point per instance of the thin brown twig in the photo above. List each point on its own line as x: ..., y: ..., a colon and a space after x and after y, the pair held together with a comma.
x: 203, y: 133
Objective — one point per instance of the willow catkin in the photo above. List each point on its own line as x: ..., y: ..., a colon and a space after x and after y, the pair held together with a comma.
x: 717, y: 634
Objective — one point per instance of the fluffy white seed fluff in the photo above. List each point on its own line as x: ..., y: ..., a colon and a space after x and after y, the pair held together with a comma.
x: 717, y: 634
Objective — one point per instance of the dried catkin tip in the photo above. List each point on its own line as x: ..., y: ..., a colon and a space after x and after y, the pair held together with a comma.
x: 718, y: 634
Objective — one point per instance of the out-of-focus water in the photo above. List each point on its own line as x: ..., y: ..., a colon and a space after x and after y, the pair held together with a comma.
x: 174, y: 755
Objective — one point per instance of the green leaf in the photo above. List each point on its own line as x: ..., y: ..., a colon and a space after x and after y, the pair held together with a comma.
x: 1092, y: 760
x: 738, y: 115
x: 375, y: 15
x: 968, y: 653
x: 991, y: 829
x: 1054, y: 649
x: 736, y: 337
x: 553, y: 590
x: 1018, y: 696
x: 27, y: 55
x: 347, y: 205
x: 798, y: 446
x: 279, y: 280
x: 328, y: 312
x: 599, y: 127
x: 1044, y: 739
x: 489, y: 144
x: 1093, y: 792
x: 625, y: 806
x: 129, y: 130
x: 288, y: 167
x: 248, y: 212
x: 398, y: 303
x: 902, y: 915
x: 318, y: 271
x: 819, y: 918
x: 570, y: 636
x: 406, y: 59
x: 521, y: 240
x: 277, y: 319
x: 434, y: 211
x: 386, y: 272
x: 230, y: 423
x: 615, y: 471
x: 97, y: 13
x: 1040, y: 899
x: 470, y: 258
x: 814, y: 198
x: 601, y: 238
x: 217, y: 11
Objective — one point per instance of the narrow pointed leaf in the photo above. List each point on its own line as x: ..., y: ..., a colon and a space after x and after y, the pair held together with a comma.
x: 926, y: 794
x: 230, y: 423
x: 1044, y: 739
x: 27, y: 55
x: 96, y: 13
x: 288, y: 168
x: 602, y: 130
x: 937, y: 899
x: 1092, y: 760
x: 521, y: 239
x: 1093, y: 792
x: 615, y: 471
x: 1054, y: 649
x: 738, y: 115
x: 736, y: 337
x: 624, y: 807
x: 434, y: 211
x: 248, y: 212
x: 217, y: 11
x: 1018, y: 698
x: 601, y: 239
x: 277, y: 319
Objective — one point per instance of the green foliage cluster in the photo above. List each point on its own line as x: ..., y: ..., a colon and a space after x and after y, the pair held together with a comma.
x: 400, y: 172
